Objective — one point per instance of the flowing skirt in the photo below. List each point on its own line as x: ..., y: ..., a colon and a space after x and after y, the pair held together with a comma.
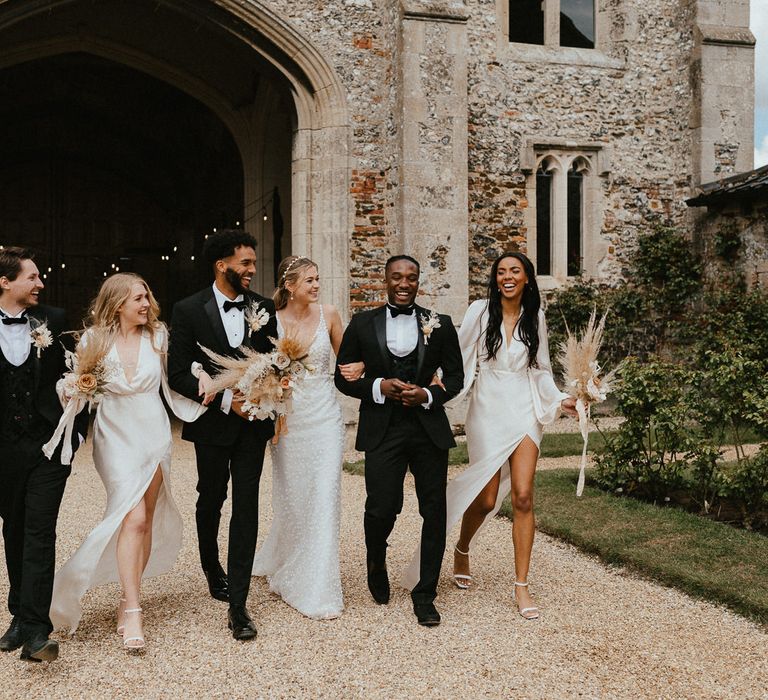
x: 504, y: 407
x: 131, y: 440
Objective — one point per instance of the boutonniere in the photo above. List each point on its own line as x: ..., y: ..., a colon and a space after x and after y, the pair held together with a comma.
x: 41, y: 337
x: 256, y: 317
x: 428, y: 324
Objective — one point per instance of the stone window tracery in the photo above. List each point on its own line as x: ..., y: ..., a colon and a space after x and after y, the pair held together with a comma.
x: 564, y: 213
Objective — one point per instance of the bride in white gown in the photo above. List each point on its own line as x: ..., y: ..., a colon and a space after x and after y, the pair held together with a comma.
x: 140, y: 533
x: 300, y: 556
x: 513, y: 396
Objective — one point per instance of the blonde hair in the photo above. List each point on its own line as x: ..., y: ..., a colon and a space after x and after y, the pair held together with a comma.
x: 289, y: 272
x: 104, y: 311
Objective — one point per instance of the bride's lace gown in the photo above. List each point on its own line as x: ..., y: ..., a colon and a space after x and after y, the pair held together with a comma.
x: 131, y: 439
x: 300, y: 556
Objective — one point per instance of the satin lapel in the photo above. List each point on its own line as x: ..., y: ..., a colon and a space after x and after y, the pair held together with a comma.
x: 212, y: 310
x: 36, y: 362
x: 421, y: 345
x: 380, y: 326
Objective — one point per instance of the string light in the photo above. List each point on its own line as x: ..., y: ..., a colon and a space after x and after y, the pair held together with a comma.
x: 105, y: 274
x: 49, y: 269
x: 63, y: 265
x: 113, y: 266
x: 117, y: 269
x: 237, y: 223
x: 45, y: 276
x: 175, y: 248
x: 192, y: 257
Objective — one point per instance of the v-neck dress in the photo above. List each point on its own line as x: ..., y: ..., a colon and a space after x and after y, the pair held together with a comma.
x: 131, y: 439
x: 508, y: 401
x: 300, y: 556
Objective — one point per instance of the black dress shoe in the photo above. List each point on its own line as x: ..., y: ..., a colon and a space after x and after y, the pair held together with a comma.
x: 39, y: 648
x: 12, y: 638
x: 426, y: 614
x: 217, y: 584
x: 378, y: 584
x: 239, y: 621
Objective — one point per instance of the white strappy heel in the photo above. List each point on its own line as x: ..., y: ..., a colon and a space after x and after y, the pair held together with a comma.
x: 531, y: 613
x: 463, y: 581
x: 121, y: 614
x: 127, y: 641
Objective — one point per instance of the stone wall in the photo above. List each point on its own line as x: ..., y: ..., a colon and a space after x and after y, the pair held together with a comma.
x: 637, y: 94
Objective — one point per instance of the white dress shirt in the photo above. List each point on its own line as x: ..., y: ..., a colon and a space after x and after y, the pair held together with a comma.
x: 234, y: 326
x: 402, y: 336
x: 15, y: 340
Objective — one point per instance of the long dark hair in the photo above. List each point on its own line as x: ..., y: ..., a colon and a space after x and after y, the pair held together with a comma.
x: 528, y: 324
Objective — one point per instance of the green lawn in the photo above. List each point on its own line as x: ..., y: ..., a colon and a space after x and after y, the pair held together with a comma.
x: 700, y: 557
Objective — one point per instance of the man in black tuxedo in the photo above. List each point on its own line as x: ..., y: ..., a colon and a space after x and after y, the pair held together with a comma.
x: 402, y: 423
x: 31, y: 486
x: 226, y: 442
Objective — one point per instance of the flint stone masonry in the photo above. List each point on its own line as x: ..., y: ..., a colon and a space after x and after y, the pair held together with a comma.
x: 443, y: 110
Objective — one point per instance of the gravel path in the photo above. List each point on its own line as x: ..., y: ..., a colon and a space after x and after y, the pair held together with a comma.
x: 603, y: 633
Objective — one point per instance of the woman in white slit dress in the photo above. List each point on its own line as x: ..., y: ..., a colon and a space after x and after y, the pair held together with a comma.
x: 512, y: 398
x: 140, y: 533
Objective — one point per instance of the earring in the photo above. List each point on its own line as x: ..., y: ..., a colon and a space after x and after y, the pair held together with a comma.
x: 291, y: 296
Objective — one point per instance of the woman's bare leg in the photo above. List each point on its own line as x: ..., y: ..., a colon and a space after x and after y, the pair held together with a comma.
x: 131, y: 554
x: 473, y: 518
x: 522, y: 466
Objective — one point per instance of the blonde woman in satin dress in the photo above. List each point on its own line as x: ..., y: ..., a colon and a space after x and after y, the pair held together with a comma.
x: 140, y: 533
x: 506, y: 364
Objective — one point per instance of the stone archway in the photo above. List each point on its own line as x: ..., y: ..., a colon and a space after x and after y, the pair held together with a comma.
x: 251, y: 69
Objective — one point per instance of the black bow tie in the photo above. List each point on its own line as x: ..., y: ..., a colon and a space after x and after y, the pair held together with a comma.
x: 239, y: 305
x: 8, y: 321
x: 395, y: 311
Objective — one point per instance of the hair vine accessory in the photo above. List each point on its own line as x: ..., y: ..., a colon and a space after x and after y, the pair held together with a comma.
x: 290, y: 265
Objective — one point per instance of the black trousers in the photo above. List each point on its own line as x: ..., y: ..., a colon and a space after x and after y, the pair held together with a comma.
x: 244, y: 460
x: 31, y: 489
x: 406, y: 444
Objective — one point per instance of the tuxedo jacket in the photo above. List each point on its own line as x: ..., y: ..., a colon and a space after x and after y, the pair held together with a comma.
x: 197, y: 319
x: 48, y: 369
x: 366, y: 340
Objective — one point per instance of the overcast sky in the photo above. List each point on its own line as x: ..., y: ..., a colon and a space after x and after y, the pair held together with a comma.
x: 759, y: 25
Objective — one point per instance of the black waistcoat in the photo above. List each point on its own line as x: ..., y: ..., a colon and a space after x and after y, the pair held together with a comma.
x: 18, y: 415
x: 404, y: 368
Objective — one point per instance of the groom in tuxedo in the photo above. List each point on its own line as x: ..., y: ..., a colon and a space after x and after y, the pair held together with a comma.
x: 402, y: 422
x: 226, y: 441
x: 31, y: 486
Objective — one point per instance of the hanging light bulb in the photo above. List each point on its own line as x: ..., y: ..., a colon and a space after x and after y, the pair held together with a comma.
x: 45, y: 276
x: 105, y: 274
x: 113, y: 266
x: 63, y: 265
x: 175, y: 248
x: 237, y: 223
x: 49, y: 269
x: 117, y: 269
x: 214, y: 230
x: 192, y: 257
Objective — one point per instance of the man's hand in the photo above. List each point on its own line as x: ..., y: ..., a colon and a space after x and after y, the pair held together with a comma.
x: 392, y: 388
x: 413, y: 395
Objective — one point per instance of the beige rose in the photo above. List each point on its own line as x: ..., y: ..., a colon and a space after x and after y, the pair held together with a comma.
x: 282, y: 360
x: 86, y: 383
x: 285, y: 382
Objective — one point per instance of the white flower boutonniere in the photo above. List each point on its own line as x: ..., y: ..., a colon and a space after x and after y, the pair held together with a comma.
x: 256, y: 317
x: 41, y: 337
x: 428, y: 324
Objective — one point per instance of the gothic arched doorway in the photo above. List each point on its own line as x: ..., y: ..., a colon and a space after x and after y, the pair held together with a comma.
x: 130, y: 130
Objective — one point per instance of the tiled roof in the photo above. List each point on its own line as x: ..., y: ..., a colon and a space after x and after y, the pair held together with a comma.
x: 749, y: 185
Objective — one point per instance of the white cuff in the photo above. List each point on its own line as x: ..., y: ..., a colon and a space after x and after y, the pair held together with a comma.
x: 428, y: 402
x: 196, y: 369
x: 226, y: 401
x: 378, y: 397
